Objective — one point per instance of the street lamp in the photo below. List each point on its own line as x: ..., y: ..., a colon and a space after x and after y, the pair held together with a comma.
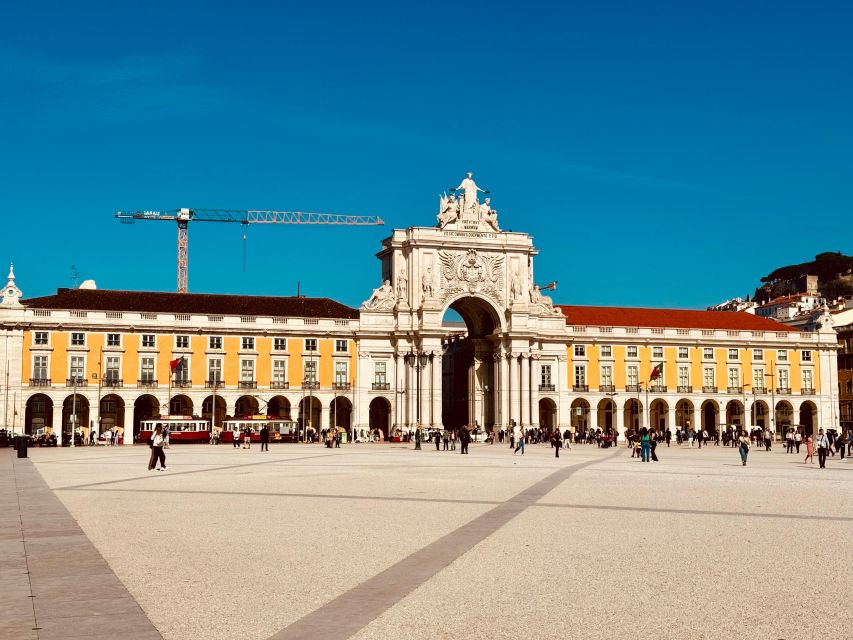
x: 418, y: 360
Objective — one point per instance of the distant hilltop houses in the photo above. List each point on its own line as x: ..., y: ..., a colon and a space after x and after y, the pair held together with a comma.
x: 815, y: 296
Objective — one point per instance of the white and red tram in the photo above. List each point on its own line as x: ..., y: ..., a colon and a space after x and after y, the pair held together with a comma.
x: 281, y: 429
x: 185, y: 429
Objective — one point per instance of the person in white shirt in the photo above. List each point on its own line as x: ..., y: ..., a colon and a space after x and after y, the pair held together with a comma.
x: 798, y: 439
x: 822, y: 444
x: 768, y: 439
x: 157, y: 442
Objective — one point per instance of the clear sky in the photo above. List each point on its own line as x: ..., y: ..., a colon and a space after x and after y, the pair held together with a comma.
x: 660, y: 153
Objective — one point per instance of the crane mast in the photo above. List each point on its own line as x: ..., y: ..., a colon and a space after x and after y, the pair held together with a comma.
x: 244, y: 217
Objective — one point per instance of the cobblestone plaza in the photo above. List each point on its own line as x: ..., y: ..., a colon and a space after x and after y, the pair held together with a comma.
x: 380, y: 541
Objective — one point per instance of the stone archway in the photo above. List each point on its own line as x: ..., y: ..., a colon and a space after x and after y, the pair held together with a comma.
x: 310, y: 410
x: 111, y: 413
x: 580, y: 413
x: 180, y: 405
x: 548, y: 414
x: 759, y: 413
x: 808, y: 417
x: 684, y: 414
x: 144, y: 407
x: 659, y: 415
x: 469, y: 394
x: 380, y: 417
x: 606, y: 415
x: 38, y: 413
x: 633, y: 415
x: 207, y: 412
x: 340, y: 412
x: 74, y: 403
x: 710, y: 416
x: 784, y: 416
x: 246, y: 406
x: 279, y: 406
x: 735, y: 415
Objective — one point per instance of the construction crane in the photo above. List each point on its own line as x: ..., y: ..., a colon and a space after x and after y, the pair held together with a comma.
x: 245, y: 217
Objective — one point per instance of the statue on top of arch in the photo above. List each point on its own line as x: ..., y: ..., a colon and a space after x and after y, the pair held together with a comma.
x: 465, y: 212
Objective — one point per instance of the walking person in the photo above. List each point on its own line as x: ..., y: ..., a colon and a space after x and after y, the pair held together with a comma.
x: 157, y: 441
x: 557, y: 441
x: 645, y: 444
x: 445, y: 437
x: 798, y: 439
x: 768, y: 439
x: 653, y: 442
x: 265, y: 438
x: 809, y: 450
x: 437, y: 437
x: 235, y: 438
x: 464, y: 438
x: 789, y: 441
x: 743, y: 446
x: 247, y: 439
x: 822, y: 444
x: 520, y: 438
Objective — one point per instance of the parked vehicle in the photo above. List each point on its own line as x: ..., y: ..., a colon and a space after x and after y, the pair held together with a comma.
x: 44, y: 438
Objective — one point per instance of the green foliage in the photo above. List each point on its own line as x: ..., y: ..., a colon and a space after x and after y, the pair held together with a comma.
x: 827, y: 266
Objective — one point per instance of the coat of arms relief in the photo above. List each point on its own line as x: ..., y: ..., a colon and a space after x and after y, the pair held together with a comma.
x: 472, y: 272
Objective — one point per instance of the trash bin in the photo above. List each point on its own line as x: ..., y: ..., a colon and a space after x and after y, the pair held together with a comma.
x: 14, y: 443
x: 22, y: 446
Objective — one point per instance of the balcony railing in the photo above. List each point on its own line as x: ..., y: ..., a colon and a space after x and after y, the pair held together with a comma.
x: 580, y: 388
x: 607, y: 388
x: 546, y: 387
x: 112, y: 382
x: 76, y: 382
x: 310, y: 384
x: 735, y: 389
x: 182, y: 384
x: 147, y: 384
x: 807, y: 391
x: 709, y: 389
x: 213, y: 384
x: 757, y: 390
x: 632, y: 388
x: 685, y: 389
x: 783, y: 391
x: 279, y: 385
x: 381, y: 386
x: 39, y: 382
x: 341, y: 386
x: 248, y: 384
x: 658, y: 388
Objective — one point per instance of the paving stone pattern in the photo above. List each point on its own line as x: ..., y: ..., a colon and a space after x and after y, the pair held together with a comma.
x: 53, y: 582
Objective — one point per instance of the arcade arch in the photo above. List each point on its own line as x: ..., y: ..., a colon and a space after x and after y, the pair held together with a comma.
x: 380, y: 417
x: 144, y: 407
x: 808, y: 417
x: 38, y: 413
x: 548, y: 414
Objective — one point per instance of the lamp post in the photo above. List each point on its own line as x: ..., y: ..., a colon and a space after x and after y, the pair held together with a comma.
x: 73, y: 407
x: 418, y: 360
x: 611, y: 408
x: 772, y: 377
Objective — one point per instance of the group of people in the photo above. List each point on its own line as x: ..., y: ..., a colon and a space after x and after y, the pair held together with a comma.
x: 449, y: 438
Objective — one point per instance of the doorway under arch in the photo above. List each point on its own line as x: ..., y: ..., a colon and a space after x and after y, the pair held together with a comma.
x: 548, y: 414
x: 659, y: 415
x: 684, y: 414
x: 310, y: 411
x: 784, y: 416
x: 380, y: 417
x: 710, y: 417
x: 111, y: 413
x: 279, y: 406
x: 38, y: 413
x: 207, y: 412
x: 758, y: 414
x: 81, y: 405
x: 144, y: 407
x: 246, y: 406
x: 808, y: 417
x: 633, y: 415
x: 605, y: 415
x: 735, y: 414
x: 340, y: 412
x: 468, y: 394
x: 180, y: 405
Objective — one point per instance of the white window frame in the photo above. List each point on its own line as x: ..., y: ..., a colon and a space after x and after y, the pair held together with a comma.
x: 311, y: 345
x: 733, y: 354
x: 606, y: 375
x: 683, y: 376
x: 250, y: 369
x: 214, y: 343
x: 632, y: 351
x: 580, y: 375
x: 383, y: 374
x: 606, y: 351
x: 338, y: 343
x: 218, y: 373
x: 806, y: 356
x: 182, y: 374
x: 545, y: 375
x: 734, y: 376
x: 71, y: 367
x: 312, y: 366
x: 107, y: 368
x: 683, y: 354
x: 142, y: 360
x: 783, y: 374
x: 706, y: 378
x: 117, y: 341
x: 77, y: 344
x: 341, y: 372
x: 279, y: 370
x: 580, y: 351
x: 657, y: 353
x: 247, y: 343
x: 758, y: 355
x: 144, y: 339
x: 182, y: 339
x: 279, y: 344
x: 632, y: 375
x: 807, y: 384
x: 782, y: 355
x: 36, y: 339
x: 705, y: 354
x: 46, y: 375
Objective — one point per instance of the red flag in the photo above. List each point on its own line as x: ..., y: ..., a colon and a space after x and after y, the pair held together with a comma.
x: 176, y: 363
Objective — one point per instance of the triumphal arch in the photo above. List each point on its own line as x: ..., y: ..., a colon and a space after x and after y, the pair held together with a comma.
x: 430, y: 372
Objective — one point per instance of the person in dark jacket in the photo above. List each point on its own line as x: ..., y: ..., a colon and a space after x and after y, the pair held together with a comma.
x: 265, y: 438
x: 464, y: 439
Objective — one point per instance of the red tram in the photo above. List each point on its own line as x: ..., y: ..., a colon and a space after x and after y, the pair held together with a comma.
x: 281, y: 429
x: 184, y: 429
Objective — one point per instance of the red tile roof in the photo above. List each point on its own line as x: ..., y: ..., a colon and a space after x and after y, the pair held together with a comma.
x: 668, y: 318
x: 198, y: 303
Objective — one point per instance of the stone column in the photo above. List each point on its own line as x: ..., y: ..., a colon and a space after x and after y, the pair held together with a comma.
x: 617, y: 420
x: 504, y: 396
x: 128, y: 423
x: 670, y: 419
x: 525, y: 389
x: 435, y: 406
x: 476, y: 393
x: 57, y: 420
x: 324, y: 417
x: 513, y: 393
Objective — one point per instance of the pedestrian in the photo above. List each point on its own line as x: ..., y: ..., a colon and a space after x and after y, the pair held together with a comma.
x: 265, y: 438
x: 445, y: 438
x: 809, y: 450
x: 437, y: 437
x: 668, y: 436
x: 557, y: 441
x: 453, y: 438
x: 464, y: 439
x: 235, y: 438
x: 743, y: 446
x: 798, y: 439
x: 654, y: 445
x: 645, y: 445
x: 156, y: 443
x: 822, y: 444
x: 247, y: 438
x: 768, y: 439
x: 520, y: 438
x: 841, y: 443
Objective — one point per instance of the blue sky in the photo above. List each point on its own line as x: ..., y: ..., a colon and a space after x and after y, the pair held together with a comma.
x: 661, y: 154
